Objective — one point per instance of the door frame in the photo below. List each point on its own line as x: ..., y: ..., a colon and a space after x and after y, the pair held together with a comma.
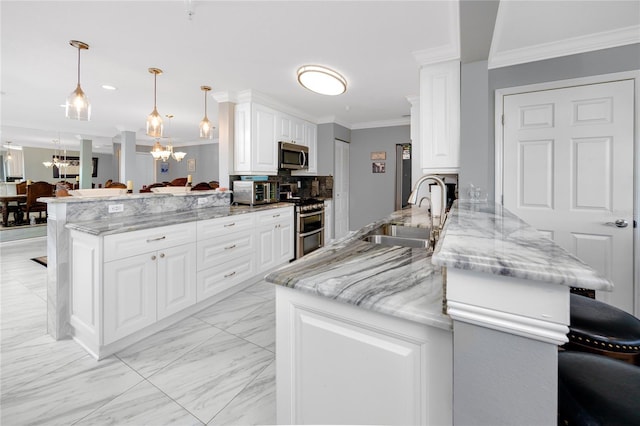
x: 562, y: 84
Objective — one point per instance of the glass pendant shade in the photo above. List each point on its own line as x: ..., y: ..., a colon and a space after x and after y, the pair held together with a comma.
x: 77, y: 106
x: 158, y: 150
x: 47, y: 164
x: 206, y: 129
x: 178, y: 156
x: 154, y: 120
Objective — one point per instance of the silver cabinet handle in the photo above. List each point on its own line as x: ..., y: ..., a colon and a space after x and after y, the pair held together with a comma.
x: 229, y: 224
x: 153, y: 257
x: 230, y: 275
x: 276, y: 215
x: 620, y: 223
x: 230, y: 247
x: 161, y: 255
x: 156, y: 239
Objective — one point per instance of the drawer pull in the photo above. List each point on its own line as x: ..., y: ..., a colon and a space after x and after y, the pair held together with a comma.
x: 230, y: 275
x: 153, y: 257
x: 161, y: 255
x: 229, y: 224
x: 230, y: 247
x: 156, y: 239
x: 276, y: 215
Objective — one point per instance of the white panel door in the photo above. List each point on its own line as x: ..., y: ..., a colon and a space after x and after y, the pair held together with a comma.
x: 341, y: 189
x: 568, y: 171
x: 144, y: 172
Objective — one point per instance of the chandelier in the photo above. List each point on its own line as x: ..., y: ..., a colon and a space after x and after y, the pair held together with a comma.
x: 57, y: 160
x: 178, y: 156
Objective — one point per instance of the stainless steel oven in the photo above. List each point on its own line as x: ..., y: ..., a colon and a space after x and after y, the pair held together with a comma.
x: 309, y: 228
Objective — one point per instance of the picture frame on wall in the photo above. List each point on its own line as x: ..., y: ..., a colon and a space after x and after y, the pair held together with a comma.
x: 73, y: 169
x: 379, y: 155
x: 164, y: 167
x: 377, y: 167
x: 191, y: 165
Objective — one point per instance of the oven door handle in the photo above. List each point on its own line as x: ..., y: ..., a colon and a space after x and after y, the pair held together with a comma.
x: 312, y: 232
x: 311, y: 214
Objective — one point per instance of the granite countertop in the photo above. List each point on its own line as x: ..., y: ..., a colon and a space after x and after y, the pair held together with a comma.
x: 486, y: 237
x: 88, y: 199
x: 397, y: 281
x: 135, y: 223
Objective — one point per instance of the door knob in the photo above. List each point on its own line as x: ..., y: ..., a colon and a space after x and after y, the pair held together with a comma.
x: 620, y: 223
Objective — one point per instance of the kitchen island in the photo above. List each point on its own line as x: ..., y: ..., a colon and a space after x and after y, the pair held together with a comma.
x: 123, y: 267
x: 361, y: 337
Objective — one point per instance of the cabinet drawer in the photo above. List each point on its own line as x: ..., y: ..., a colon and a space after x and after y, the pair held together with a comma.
x: 128, y: 244
x: 214, y: 251
x: 225, y: 226
x: 221, y: 277
x: 274, y: 216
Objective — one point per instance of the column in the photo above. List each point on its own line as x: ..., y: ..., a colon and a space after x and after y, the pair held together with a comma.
x: 86, y: 163
x: 128, y: 157
x: 226, y: 114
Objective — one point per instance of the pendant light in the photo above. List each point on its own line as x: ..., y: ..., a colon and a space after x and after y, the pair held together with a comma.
x: 206, y: 129
x: 154, y: 120
x: 77, y: 106
x: 158, y: 151
x: 9, y: 150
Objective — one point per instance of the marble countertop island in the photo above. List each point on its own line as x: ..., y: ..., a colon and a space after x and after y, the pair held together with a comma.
x: 486, y: 237
x: 398, y: 281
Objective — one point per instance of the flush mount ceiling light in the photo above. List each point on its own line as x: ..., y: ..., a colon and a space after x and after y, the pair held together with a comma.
x: 77, y: 106
x: 322, y: 80
x: 206, y: 129
x: 154, y: 120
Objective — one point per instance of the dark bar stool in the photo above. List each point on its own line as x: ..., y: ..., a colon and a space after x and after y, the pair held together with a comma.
x: 597, y: 390
x: 603, y: 329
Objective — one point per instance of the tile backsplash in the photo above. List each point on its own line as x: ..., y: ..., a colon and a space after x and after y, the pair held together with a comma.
x: 310, y: 186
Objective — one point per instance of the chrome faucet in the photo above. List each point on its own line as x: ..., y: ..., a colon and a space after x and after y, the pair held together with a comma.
x: 413, y: 197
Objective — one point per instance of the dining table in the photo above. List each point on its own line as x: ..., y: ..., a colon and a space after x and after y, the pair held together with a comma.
x: 5, y: 200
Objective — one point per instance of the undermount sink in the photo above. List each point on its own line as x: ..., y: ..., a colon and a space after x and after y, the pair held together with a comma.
x: 387, y: 240
x: 398, y: 235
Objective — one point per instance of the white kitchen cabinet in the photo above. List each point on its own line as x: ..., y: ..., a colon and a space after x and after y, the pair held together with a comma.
x: 310, y: 140
x: 255, y: 147
x: 440, y: 117
x: 226, y: 253
x: 275, y: 234
x: 176, y: 279
x: 340, y: 364
x: 289, y: 128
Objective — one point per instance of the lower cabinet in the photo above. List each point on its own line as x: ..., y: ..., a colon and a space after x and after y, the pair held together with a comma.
x: 128, y: 285
x: 275, y: 238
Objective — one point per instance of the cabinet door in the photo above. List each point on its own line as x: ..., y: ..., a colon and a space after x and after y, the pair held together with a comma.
x: 283, y: 132
x: 264, y: 145
x: 297, y: 131
x: 129, y: 296
x: 267, y: 256
x: 440, y: 117
x: 242, y: 138
x: 176, y: 279
x: 328, y: 221
x: 284, y: 241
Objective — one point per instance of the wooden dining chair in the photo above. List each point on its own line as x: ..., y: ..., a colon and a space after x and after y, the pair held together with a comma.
x: 202, y: 186
x: 178, y: 182
x: 34, y: 191
x: 14, y: 206
x: 117, y: 185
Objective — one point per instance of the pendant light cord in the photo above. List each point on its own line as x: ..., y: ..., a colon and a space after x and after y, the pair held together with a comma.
x: 78, y: 66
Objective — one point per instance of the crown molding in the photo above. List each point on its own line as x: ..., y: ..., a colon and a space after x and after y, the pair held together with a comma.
x: 446, y: 52
x: 405, y: 121
x: 414, y: 100
x: 252, y: 95
x: 224, y: 96
x: 570, y: 46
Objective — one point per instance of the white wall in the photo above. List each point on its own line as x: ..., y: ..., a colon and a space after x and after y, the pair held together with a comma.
x: 34, y: 170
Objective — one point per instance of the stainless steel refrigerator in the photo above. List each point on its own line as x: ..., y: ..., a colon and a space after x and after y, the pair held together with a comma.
x: 403, y: 175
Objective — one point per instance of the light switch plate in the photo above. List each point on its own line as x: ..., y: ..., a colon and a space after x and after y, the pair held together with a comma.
x: 116, y: 208
x: 202, y: 200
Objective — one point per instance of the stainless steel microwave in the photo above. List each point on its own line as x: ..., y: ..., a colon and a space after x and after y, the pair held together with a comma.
x: 293, y: 156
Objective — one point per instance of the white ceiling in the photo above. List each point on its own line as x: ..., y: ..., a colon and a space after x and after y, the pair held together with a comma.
x: 238, y: 45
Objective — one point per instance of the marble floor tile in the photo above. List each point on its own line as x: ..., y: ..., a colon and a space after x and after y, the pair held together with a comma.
x: 28, y: 361
x: 230, y: 310
x: 143, y: 404
x: 263, y: 289
x: 68, y: 394
x: 206, y: 379
x: 255, y: 404
x: 156, y: 351
x: 258, y: 327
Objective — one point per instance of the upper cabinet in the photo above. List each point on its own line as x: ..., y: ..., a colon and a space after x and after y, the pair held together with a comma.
x: 440, y: 117
x: 255, y: 147
x: 258, y: 129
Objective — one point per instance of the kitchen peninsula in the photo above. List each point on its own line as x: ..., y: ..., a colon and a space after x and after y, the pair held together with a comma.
x: 123, y: 267
x: 362, y: 337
